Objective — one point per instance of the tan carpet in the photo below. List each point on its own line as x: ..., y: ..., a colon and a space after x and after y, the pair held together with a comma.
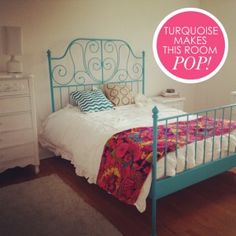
x: 47, y: 206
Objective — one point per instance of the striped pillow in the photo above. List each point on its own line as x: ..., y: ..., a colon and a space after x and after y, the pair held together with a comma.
x: 91, y: 101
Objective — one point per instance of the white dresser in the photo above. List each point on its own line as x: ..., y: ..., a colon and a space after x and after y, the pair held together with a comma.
x: 18, y: 128
x: 177, y: 102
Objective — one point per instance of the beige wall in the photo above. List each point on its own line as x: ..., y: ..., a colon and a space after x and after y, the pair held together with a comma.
x: 53, y: 23
x: 217, y: 90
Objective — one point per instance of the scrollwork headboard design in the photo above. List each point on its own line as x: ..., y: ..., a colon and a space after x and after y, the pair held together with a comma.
x: 93, y: 62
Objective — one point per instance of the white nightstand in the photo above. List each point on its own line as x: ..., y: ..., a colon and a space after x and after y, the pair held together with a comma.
x: 177, y: 103
x: 233, y: 101
x: 233, y: 97
x: 18, y: 132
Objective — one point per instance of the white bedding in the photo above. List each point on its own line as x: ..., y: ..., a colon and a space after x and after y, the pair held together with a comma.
x: 80, y: 138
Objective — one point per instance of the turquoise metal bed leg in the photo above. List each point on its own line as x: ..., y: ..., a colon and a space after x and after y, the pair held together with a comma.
x: 154, y: 163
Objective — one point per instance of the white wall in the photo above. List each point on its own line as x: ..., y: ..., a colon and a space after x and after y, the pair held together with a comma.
x: 53, y: 23
x: 217, y: 90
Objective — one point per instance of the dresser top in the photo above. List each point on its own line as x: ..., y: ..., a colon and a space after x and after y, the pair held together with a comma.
x: 5, y: 75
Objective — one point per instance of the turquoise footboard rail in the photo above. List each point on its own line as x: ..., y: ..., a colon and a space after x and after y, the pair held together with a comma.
x: 212, y: 150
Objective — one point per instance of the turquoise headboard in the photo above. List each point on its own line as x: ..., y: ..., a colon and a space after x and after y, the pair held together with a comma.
x: 88, y: 63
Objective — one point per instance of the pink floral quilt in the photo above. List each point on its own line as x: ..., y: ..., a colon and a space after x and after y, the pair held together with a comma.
x: 127, y: 156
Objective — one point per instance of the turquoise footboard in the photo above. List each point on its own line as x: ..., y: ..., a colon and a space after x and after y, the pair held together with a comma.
x: 216, y: 164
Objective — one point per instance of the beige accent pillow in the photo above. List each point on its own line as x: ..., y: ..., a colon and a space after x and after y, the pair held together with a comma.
x: 119, y: 94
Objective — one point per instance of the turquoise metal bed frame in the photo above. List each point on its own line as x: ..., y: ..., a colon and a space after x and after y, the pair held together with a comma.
x: 101, y: 61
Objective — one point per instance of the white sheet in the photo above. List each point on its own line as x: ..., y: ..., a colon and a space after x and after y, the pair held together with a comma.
x: 80, y: 138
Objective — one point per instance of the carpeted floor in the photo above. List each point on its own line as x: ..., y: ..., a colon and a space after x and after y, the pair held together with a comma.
x: 47, y: 206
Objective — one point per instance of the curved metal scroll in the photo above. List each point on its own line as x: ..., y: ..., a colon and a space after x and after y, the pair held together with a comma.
x: 93, y: 62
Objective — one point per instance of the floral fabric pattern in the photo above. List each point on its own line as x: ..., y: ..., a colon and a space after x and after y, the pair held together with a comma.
x: 127, y: 156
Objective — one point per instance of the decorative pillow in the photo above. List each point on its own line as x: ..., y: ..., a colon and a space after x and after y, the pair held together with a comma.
x: 73, y: 100
x: 119, y: 94
x: 91, y: 101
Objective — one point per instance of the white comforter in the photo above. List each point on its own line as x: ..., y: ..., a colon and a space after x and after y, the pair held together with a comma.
x: 80, y: 138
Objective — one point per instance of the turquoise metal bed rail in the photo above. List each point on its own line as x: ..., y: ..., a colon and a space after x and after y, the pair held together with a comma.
x: 93, y: 62
x: 216, y: 163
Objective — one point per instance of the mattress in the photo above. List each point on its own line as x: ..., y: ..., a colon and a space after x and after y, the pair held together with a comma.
x: 81, y: 137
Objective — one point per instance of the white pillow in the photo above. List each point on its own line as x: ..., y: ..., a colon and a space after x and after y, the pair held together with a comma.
x: 141, y: 100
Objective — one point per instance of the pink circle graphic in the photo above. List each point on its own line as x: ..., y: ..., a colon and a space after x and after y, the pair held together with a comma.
x: 190, y: 45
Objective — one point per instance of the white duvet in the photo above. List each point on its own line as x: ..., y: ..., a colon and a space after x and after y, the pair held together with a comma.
x: 80, y: 138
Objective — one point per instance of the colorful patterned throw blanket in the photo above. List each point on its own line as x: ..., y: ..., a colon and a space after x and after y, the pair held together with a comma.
x: 127, y: 156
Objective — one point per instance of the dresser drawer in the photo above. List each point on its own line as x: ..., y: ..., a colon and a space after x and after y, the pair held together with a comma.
x: 17, y: 104
x: 8, y: 154
x: 14, y: 87
x: 15, y: 122
x: 20, y: 137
